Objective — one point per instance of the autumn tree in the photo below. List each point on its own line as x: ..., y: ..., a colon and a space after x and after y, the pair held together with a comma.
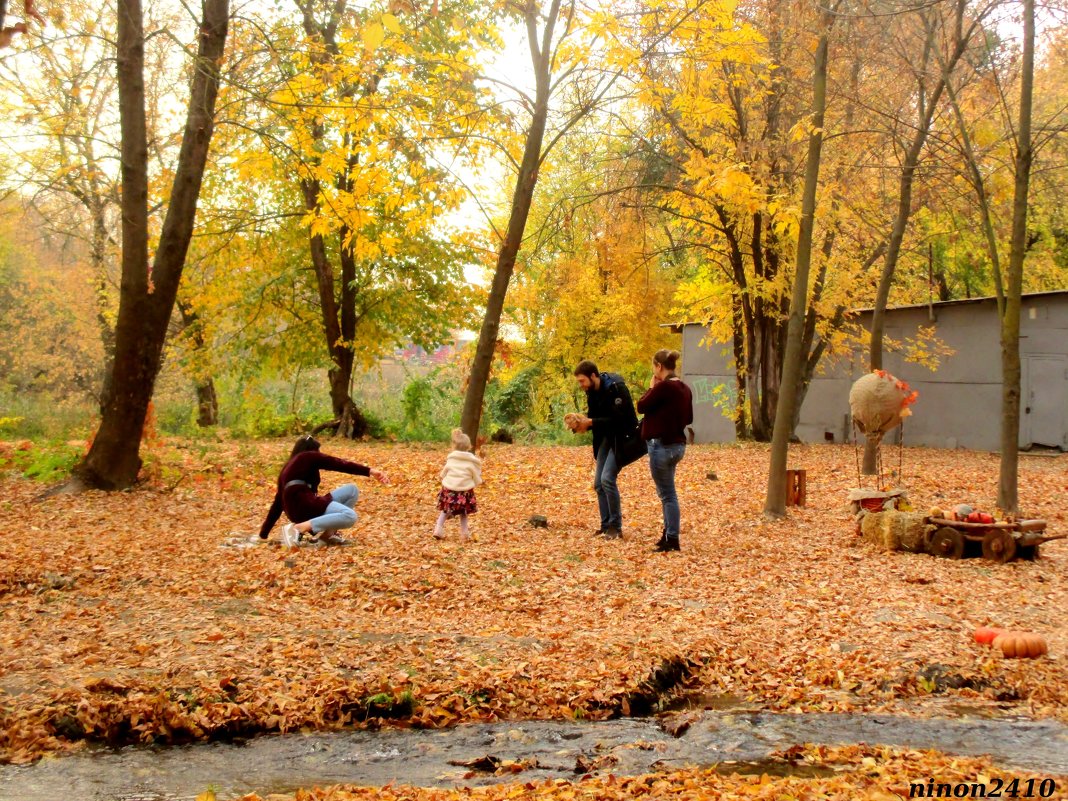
x: 373, y: 263
x: 48, y: 345
x: 994, y: 146
x: 560, y: 38
x: 935, y: 39
x: 67, y: 139
x: 596, y: 278
x: 365, y: 107
x: 729, y: 124
x: 775, y: 504
x: 147, y: 293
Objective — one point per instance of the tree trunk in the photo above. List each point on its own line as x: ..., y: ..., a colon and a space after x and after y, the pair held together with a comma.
x: 741, y: 321
x: 928, y: 106
x: 207, y: 404
x: 775, y: 505
x: 338, y: 308
x: 207, y: 399
x: 975, y: 177
x: 350, y: 422
x: 103, y: 321
x: 1010, y: 323
x: 147, y: 301
x: 522, y: 198
x: 738, y: 336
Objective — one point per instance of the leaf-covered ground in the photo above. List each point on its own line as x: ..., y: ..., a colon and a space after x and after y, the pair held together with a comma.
x: 123, y: 617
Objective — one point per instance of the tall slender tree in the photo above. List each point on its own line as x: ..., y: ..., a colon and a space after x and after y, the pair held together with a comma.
x: 775, y: 504
x: 958, y: 22
x: 1008, y: 499
x: 542, y: 57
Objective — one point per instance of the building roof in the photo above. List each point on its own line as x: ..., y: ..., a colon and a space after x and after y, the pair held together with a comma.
x: 677, y: 327
x: 983, y: 299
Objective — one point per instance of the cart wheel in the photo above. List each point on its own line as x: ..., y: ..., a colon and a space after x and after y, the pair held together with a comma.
x: 928, y: 535
x: 948, y: 543
x: 999, y: 546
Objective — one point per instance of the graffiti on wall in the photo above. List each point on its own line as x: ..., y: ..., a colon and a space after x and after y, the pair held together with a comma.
x: 723, y: 395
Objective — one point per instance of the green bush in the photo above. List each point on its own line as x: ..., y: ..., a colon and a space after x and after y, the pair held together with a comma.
x: 177, y: 419
x: 431, y: 407
x: 378, y: 427
x: 47, y: 462
x: 512, y: 402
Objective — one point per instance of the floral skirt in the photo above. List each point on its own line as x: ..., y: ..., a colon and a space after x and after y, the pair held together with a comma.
x: 457, y: 502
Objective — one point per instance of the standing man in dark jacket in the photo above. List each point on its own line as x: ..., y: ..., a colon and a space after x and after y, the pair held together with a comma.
x: 611, y: 416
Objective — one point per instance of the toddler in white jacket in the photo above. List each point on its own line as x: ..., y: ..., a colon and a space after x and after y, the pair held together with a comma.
x: 459, y: 477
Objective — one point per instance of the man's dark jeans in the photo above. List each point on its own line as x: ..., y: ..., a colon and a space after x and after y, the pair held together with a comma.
x: 604, y: 482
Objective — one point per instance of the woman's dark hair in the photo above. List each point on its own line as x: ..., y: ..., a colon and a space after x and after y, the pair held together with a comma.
x: 587, y: 368
x: 305, y: 443
x: 667, y: 359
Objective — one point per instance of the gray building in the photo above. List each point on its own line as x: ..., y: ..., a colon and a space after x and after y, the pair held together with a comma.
x: 959, y: 405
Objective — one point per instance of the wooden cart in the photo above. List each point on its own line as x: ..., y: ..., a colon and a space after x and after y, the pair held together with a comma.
x: 1000, y: 542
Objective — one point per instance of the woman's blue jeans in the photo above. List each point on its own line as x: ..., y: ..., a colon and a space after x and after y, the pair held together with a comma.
x: 663, y: 459
x: 339, y: 514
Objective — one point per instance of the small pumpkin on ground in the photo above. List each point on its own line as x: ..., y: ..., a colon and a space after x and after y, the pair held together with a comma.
x: 986, y: 634
x: 1020, y: 644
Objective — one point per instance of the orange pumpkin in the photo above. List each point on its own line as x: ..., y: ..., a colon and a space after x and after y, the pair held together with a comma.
x: 986, y: 635
x: 1020, y: 645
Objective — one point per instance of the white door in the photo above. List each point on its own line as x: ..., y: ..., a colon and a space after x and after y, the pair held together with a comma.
x: 1045, y: 398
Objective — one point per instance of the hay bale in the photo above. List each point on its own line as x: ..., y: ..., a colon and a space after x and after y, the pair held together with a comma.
x: 894, y: 531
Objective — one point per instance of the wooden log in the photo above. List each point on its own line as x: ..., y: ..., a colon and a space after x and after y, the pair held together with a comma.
x: 1032, y: 525
x: 1039, y: 539
x: 795, y: 487
x: 963, y: 526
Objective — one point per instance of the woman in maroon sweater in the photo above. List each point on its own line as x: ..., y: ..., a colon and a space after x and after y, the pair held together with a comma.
x: 668, y: 409
x: 297, y: 496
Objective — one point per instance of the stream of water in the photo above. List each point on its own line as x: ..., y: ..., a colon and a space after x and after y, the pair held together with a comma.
x: 738, y: 741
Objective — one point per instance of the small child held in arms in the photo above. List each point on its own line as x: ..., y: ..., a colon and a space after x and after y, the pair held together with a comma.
x: 459, y: 477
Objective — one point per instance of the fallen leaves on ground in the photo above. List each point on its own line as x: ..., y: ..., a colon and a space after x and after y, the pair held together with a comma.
x: 122, y: 619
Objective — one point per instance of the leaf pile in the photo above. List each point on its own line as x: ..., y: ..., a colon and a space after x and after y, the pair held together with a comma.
x: 123, y: 619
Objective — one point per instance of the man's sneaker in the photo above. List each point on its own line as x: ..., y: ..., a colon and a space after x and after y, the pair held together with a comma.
x: 612, y: 533
x: 666, y: 545
x: 290, y: 535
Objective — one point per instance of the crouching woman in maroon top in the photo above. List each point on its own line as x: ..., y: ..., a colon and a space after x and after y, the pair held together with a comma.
x: 668, y: 409
x: 318, y: 515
